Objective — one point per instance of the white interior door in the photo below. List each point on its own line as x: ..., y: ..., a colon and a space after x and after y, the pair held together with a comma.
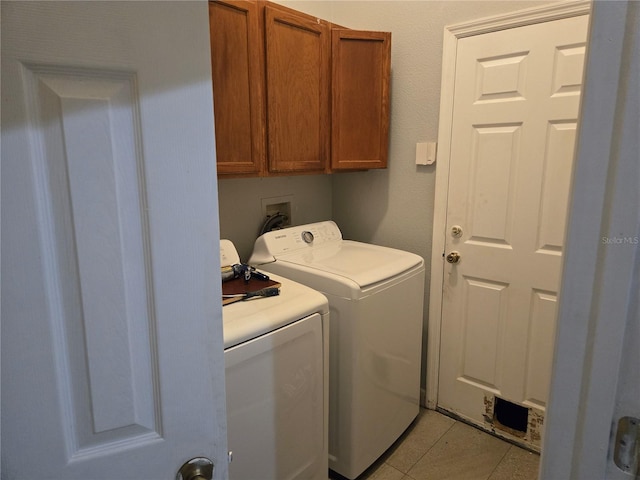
x: 112, y: 354
x: 625, y: 462
x: 596, y: 380
x: 516, y: 104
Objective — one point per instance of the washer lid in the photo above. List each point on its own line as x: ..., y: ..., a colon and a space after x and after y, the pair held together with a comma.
x: 363, y: 263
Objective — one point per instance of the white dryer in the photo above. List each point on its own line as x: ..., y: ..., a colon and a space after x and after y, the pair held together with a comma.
x: 276, y: 369
x: 376, y: 307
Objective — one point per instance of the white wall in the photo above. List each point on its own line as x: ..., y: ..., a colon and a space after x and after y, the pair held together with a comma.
x: 392, y: 207
x: 240, y: 201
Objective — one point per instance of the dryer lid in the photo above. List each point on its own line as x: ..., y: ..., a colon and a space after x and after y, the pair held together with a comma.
x: 363, y: 263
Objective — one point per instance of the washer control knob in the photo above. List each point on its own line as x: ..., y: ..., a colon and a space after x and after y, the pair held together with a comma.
x: 307, y: 236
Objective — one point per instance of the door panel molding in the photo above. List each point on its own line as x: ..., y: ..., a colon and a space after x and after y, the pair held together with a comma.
x: 452, y: 34
x: 91, y: 199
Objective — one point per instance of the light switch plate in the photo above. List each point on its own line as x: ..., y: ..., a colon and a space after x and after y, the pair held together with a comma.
x: 426, y: 153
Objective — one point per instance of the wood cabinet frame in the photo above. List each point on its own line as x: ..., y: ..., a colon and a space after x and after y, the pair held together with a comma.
x: 237, y: 64
x: 361, y: 68
x: 295, y: 94
x: 297, y: 56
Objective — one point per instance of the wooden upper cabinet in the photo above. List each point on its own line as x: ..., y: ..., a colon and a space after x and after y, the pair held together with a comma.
x: 295, y: 94
x: 238, y: 86
x: 361, y: 70
x: 298, y: 48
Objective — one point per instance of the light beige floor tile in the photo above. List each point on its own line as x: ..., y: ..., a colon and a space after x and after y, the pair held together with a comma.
x: 463, y: 453
x: 381, y: 471
x: 517, y: 464
x: 420, y: 437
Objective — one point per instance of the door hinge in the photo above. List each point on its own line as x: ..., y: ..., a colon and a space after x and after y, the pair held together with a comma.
x: 626, y: 454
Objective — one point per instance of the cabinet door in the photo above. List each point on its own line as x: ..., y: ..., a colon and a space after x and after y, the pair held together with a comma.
x: 238, y: 86
x: 361, y: 68
x: 298, y: 73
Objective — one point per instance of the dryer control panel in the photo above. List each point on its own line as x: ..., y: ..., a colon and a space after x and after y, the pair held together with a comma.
x: 278, y: 242
x: 228, y: 253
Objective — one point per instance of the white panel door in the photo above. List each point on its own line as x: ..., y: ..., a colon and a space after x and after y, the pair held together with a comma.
x: 112, y: 355
x: 514, y: 123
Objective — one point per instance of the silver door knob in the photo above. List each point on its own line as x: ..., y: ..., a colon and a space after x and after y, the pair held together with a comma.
x: 453, y: 257
x: 456, y: 231
x: 199, y: 468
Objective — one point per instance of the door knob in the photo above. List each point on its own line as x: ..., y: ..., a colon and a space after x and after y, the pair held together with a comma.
x: 456, y: 231
x: 453, y: 257
x: 199, y: 468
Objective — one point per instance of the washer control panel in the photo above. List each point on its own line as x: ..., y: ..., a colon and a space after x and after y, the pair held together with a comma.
x: 279, y: 242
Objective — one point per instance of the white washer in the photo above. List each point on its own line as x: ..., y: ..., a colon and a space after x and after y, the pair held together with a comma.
x: 276, y: 368
x: 376, y: 304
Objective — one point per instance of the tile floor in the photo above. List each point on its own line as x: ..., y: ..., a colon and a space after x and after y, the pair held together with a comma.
x: 440, y: 448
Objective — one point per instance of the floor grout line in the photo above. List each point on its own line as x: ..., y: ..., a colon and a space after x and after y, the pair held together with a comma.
x: 431, y: 447
x: 501, y: 460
